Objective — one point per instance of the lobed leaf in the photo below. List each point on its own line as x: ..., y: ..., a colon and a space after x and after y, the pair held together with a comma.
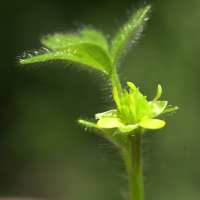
x: 58, y: 41
x: 91, y: 54
x: 87, y: 53
x: 126, y: 32
x: 96, y: 37
x: 49, y: 56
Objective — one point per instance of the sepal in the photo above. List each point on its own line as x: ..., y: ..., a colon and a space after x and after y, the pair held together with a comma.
x: 109, y: 113
x: 158, y: 107
x: 170, y: 109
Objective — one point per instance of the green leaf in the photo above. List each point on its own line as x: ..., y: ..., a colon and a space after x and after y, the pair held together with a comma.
x: 87, y: 53
x: 123, y: 37
x: 96, y: 37
x: 92, y: 54
x: 58, y: 41
x: 49, y: 56
x: 152, y: 123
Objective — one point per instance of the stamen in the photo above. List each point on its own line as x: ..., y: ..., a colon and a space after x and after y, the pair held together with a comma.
x: 159, y: 92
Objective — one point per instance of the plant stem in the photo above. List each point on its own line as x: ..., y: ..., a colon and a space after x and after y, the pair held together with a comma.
x: 115, y: 82
x: 133, y: 162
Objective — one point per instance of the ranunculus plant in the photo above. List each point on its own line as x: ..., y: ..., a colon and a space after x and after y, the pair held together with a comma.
x: 133, y: 114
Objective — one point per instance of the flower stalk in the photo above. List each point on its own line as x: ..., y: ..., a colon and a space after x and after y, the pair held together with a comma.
x: 133, y: 162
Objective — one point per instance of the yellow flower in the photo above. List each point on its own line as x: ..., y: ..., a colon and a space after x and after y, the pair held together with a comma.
x: 134, y: 111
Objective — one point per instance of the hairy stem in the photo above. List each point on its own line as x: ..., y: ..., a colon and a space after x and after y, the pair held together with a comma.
x: 133, y: 162
x: 115, y: 82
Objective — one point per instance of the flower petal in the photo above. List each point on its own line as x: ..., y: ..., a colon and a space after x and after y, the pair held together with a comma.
x: 109, y: 122
x: 152, y: 123
x: 128, y: 128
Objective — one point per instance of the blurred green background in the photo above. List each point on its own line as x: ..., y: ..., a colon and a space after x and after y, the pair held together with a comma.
x: 44, y: 154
